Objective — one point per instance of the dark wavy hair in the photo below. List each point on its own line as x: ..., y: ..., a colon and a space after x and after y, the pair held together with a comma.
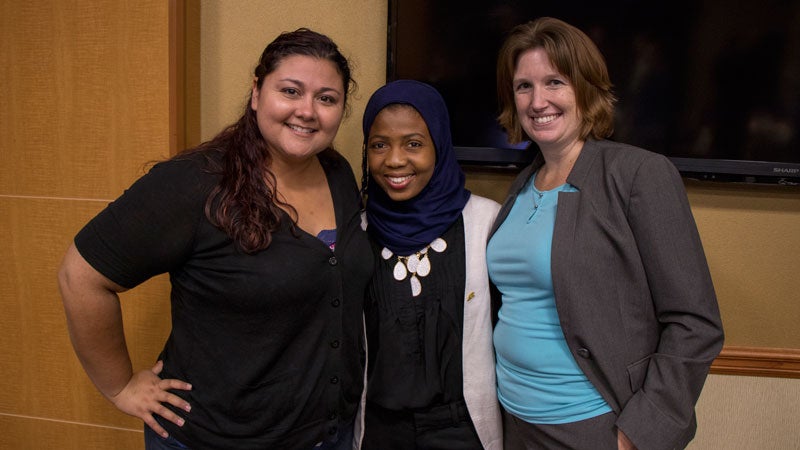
x: 243, y: 203
x: 576, y: 57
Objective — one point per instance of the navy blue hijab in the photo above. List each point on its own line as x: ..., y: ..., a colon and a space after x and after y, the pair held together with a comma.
x: 408, y: 226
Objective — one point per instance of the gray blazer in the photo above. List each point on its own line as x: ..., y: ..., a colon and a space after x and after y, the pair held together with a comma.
x: 633, y: 290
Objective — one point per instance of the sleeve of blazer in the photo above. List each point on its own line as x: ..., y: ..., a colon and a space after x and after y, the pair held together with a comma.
x: 660, y: 415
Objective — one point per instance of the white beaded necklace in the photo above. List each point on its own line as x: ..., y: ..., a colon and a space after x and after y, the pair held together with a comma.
x: 418, y: 264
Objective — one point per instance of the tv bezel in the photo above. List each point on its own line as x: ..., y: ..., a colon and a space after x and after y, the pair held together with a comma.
x: 697, y: 168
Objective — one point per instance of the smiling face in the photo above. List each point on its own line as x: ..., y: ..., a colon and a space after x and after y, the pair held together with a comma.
x: 545, y: 102
x: 401, y: 154
x: 299, y: 107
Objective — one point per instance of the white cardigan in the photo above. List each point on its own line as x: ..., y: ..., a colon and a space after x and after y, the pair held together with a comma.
x: 480, y: 387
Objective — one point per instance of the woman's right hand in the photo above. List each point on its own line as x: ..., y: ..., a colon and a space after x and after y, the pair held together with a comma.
x: 145, y: 395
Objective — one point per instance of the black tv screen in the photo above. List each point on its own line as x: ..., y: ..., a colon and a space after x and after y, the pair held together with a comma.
x: 712, y: 84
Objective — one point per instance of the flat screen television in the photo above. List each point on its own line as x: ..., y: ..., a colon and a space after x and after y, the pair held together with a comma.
x: 712, y: 84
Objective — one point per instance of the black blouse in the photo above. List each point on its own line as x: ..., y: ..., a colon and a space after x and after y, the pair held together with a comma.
x: 271, y: 341
x: 415, y: 342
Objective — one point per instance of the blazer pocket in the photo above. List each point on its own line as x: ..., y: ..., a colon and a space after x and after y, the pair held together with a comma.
x: 637, y: 373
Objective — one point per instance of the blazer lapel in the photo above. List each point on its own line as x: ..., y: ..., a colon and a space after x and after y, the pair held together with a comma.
x: 564, y: 247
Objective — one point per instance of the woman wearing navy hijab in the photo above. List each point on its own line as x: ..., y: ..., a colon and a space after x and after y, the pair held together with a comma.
x: 431, y: 380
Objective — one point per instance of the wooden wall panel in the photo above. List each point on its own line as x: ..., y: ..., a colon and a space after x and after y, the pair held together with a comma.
x: 86, y: 102
x: 35, y: 345
x: 25, y: 433
x: 85, y: 88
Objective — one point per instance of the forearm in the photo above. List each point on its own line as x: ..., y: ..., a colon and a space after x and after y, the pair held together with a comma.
x: 94, y: 319
x: 99, y: 343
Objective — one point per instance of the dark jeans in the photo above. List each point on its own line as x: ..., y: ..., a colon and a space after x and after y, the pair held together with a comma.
x: 344, y: 440
x: 152, y: 441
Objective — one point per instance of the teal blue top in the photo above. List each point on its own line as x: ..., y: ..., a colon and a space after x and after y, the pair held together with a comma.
x: 538, y: 378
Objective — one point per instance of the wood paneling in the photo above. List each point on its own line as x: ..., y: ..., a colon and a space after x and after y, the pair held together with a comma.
x: 85, y: 92
x: 35, y: 345
x: 85, y: 89
x: 26, y: 433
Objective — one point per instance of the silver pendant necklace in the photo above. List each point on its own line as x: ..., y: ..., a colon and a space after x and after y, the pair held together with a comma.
x: 418, y: 264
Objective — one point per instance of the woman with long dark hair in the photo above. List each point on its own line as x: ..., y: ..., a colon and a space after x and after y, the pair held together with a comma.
x: 260, y: 232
